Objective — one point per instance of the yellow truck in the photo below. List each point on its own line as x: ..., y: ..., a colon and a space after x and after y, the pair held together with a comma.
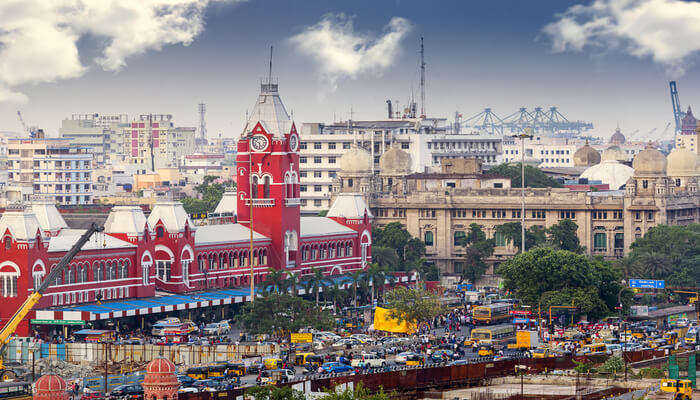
x: 527, y: 339
x: 681, y: 387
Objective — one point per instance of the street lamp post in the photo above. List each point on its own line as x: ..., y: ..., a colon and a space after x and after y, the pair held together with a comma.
x: 522, y: 137
x: 619, y: 323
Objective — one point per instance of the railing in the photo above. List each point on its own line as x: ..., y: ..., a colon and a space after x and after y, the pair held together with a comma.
x: 261, y: 202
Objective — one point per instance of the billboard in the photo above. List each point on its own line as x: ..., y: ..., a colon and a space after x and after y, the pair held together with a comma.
x: 301, y: 337
x: 647, y: 284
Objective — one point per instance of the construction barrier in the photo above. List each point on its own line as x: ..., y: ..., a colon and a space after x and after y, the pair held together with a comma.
x: 20, y: 350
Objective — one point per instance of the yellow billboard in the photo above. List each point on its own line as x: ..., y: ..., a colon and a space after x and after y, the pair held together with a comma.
x: 382, y: 322
x: 301, y: 338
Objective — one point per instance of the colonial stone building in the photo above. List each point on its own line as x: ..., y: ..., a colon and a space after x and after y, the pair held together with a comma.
x: 439, y: 207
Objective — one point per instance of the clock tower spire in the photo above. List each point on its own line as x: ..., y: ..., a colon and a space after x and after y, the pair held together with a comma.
x: 268, y: 175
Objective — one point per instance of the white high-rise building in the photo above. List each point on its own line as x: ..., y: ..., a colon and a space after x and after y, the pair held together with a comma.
x: 427, y: 140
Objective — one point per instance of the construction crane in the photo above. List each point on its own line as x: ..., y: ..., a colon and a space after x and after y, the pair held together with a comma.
x: 678, y: 113
x: 663, y: 134
x: 21, y: 121
x: 9, y: 329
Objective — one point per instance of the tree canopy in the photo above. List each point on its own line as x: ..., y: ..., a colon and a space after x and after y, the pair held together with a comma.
x: 666, y: 252
x: 274, y: 393
x: 533, y: 176
x: 413, y: 305
x: 395, y: 249
x: 282, y: 313
x: 545, y: 276
x: 210, y: 193
x: 477, y: 249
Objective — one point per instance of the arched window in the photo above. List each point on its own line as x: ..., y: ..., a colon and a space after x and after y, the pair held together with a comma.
x: 9, y: 275
x: 160, y: 232
x: 254, y: 188
x: 266, y: 187
x: 113, y: 270
x: 231, y: 260
x: 84, y: 273
x: 8, y: 242
x: 96, y: 272
x: 255, y: 257
x: 428, y: 238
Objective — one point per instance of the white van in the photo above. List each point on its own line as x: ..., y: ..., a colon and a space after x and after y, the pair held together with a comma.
x: 371, y: 360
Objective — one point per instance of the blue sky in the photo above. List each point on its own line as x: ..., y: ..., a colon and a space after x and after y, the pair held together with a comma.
x: 479, y: 54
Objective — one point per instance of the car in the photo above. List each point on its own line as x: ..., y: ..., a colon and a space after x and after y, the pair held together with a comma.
x: 458, y: 362
x: 188, y: 389
x: 401, y: 357
x: 129, y: 391
x: 348, y: 341
x: 369, y: 360
x: 364, y: 339
x: 336, y: 367
x: 442, y: 356
x: 217, y: 328
x: 92, y: 395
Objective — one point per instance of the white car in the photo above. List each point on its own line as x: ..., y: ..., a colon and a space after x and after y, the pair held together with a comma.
x: 217, y: 328
x: 369, y: 360
x: 362, y: 338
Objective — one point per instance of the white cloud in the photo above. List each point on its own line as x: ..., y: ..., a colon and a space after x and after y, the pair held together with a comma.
x: 667, y: 31
x: 39, y: 38
x: 342, y: 52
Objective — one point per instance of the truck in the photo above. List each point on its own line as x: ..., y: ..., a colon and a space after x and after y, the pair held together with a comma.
x: 682, y: 388
x: 527, y: 339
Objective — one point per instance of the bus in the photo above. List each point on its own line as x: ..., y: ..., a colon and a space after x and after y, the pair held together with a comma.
x: 491, y: 334
x: 491, y: 313
x: 15, y: 390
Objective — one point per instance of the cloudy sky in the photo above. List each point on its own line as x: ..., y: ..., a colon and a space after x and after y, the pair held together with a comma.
x: 605, y: 61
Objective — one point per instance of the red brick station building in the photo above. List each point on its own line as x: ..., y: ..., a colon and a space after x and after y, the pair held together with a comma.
x: 162, y: 264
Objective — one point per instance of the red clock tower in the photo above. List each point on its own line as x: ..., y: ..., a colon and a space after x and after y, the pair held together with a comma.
x: 268, y: 176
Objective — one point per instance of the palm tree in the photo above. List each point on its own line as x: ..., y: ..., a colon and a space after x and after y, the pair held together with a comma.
x: 385, y: 256
x: 292, y: 282
x: 334, y: 294
x: 274, y: 279
x: 377, y: 275
x: 628, y: 267
x: 654, y: 265
x: 315, y: 281
x: 355, y: 277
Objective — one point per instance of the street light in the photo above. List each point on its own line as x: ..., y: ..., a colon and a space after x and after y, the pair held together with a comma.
x: 522, y: 137
x: 619, y: 323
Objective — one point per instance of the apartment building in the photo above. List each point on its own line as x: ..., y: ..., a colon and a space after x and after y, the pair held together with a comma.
x: 427, y: 140
x: 50, y: 169
x: 153, y: 141
x: 97, y: 132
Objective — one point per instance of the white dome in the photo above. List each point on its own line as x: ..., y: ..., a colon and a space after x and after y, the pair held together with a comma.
x: 395, y: 162
x: 610, y: 172
x: 355, y: 161
x: 682, y: 162
x: 649, y: 162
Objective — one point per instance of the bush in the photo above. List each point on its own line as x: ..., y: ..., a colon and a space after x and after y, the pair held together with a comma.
x: 652, y: 373
x: 613, y: 365
x: 584, y: 368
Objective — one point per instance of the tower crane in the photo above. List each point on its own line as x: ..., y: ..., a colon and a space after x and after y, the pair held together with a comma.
x: 9, y: 329
x: 21, y: 121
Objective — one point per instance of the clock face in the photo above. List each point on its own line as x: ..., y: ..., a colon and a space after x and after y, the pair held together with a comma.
x: 259, y: 142
x: 293, y: 142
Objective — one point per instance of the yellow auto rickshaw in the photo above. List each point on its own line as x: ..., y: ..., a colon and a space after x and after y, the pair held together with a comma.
x: 415, y: 360
x: 301, y: 358
x: 485, y: 350
x: 197, y: 372
x: 273, y: 363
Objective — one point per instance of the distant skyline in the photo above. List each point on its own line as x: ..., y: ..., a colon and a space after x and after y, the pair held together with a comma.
x: 603, y: 61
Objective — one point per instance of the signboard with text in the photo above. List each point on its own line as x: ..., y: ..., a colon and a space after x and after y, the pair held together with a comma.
x: 647, y: 284
x: 301, y: 338
x: 56, y: 322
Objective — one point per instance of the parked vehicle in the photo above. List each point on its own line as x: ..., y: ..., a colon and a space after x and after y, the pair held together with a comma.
x: 217, y: 328
x: 130, y: 391
x: 336, y: 367
x: 369, y: 360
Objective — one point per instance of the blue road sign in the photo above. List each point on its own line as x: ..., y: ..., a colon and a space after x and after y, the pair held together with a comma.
x: 647, y: 284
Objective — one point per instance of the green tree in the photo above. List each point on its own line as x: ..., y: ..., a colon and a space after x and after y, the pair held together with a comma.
x: 355, y: 278
x: 385, y: 257
x: 292, y: 282
x: 413, y: 305
x: 544, y: 276
x: 534, y: 178
x: 358, y: 393
x: 477, y: 249
x: 274, y: 393
x: 377, y: 275
x: 316, y: 281
x: 534, y: 235
x: 210, y: 195
x: 275, y: 281
x: 282, y: 313
x: 335, y: 295
x: 563, y: 236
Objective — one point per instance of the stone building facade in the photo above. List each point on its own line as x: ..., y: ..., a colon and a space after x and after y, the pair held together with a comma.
x: 439, y: 207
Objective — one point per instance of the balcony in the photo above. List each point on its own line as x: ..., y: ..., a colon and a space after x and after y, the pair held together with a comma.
x: 261, y: 202
x: 292, y: 202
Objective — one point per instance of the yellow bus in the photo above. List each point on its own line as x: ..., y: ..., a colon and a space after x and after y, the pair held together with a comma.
x: 491, y: 334
x: 491, y: 314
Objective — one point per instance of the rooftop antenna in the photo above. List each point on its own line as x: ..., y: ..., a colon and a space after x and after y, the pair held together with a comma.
x: 269, y: 74
x: 422, y: 79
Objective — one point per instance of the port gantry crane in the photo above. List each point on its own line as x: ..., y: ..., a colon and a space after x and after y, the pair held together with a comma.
x: 9, y: 328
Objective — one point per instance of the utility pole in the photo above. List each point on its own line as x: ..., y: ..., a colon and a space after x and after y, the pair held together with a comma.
x: 106, y: 374
x: 422, y: 79
x: 522, y: 137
